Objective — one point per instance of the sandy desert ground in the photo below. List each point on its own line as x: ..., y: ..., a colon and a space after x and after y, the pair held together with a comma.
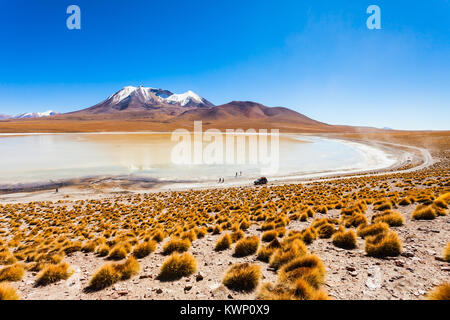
x: 376, y: 236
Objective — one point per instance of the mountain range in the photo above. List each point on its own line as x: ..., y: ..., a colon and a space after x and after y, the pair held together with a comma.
x: 145, y: 108
x: 29, y: 115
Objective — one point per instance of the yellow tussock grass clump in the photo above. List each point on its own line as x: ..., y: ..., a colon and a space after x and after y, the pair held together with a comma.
x: 289, y: 252
x: 309, y: 268
x: 386, y: 205
x: 89, y: 246
x: 391, y: 217
x: 111, y: 273
x: 6, y: 257
x: 326, y: 230
x: 237, y: 235
x: 441, y: 292
x: 118, y: 252
x: 158, y: 235
x: 309, y: 235
x: 443, y: 200
x: 177, y: 266
x: 176, y: 245
x: 106, y: 276
x: 242, y: 277
x: 372, y: 229
x: 191, y: 235
x: 12, y: 273
x: 223, y: 243
x: 405, y: 201
x: 7, y: 292
x: 246, y: 246
x: 52, y: 273
x: 447, y: 253
x: 103, y: 250
x: 383, y: 245
x: 344, y: 239
x: 264, y: 253
x: 128, y: 268
x: 301, y: 290
x: 269, y: 235
x: 354, y: 220
x: 423, y: 212
x: 144, y: 249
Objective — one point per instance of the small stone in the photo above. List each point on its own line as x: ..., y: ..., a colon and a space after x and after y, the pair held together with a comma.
x: 399, y: 263
x: 350, y: 268
x: 230, y: 296
x: 187, y: 288
x: 199, y: 277
x: 407, y: 254
x: 159, y: 291
x: 123, y: 292
x: 353, y: 273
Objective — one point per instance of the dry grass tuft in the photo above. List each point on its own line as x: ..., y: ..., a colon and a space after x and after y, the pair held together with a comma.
x: 391, y: 217
x: 446, y: 253
x: 309, y: 268
x: 223, y: 243
x: 118, y: 252
x: 12, y: 273
x: 144, y: 249
x: 269, y: 235
x: 441, y: 292
x: 7, y: 257
x: 7, y: 292
x: 52, y: 273
x: 103, y: 250
x: 289, y: 252
x: 177, y: 266
x: 176, y: 245
x: 106, y: 276
x: 242, y: 277
x: 383, y: 245
x: 423, y: 212
x: 246, y: 246
x: 372, y: 229
x: 303, y: 290
x: 344, y: 239
x: 111, y: 273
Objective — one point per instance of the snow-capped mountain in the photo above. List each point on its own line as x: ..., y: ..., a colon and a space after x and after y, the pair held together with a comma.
x: 138, y: 99
x: 29, y: 115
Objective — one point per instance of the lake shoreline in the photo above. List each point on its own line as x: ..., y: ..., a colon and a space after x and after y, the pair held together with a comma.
x: 101, y: 186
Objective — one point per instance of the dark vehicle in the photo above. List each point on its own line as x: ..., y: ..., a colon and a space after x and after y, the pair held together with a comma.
x: 262, y: 180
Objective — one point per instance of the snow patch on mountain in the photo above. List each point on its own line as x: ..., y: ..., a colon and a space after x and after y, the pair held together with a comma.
x: 35, y: 115
x: 188, y: 98
x: 185, y: 98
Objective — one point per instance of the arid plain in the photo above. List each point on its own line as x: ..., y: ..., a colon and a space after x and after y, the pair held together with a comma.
x: 374, y: 236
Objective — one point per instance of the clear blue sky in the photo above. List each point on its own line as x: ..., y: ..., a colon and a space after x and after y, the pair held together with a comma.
x: 316, y: 57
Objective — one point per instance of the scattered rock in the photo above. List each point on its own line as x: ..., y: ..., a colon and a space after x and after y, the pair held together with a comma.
x: 159, y: 291
x: 399, y: 263
x: 407, y: 254
x: 123, y: 292
x: 199, y: 277
x: 187, y: 288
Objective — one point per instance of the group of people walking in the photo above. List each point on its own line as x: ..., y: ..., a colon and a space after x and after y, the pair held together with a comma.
x: 238, y: 174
